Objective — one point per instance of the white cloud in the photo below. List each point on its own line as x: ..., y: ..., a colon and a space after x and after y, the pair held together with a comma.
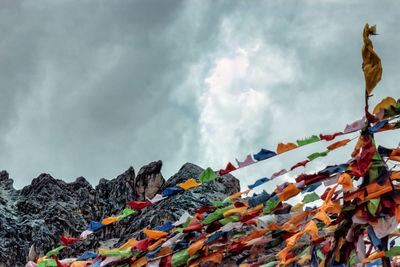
x: 235, y: 108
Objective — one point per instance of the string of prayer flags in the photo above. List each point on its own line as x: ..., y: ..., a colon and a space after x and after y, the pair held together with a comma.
x: 307, y: 141
x: 264, y: 154
x: 278, y: 210
x: 236, y: 233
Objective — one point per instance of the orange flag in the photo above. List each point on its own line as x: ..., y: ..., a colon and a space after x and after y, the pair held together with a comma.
x: 374, y: 256
x: 282, y: 254
x: 196, y: 246
x: 338, y: 144
x: 397, y: 213
x: 154, y: 234
x: 285, y: 147
x: 240, y: 211
x: 290, y: 191
x: 80, y: 263
x: 109, y: 220
x: 395, y: 155
x: 321, y: 215
x: 156, y: 244
x: 129, y: 243
x: 345, y: 181
x: 374, y: 190
x: 357, y: 194
x: 189, y: 184
x: 359, y: 145
x: 395, y: 175
x: 273, y: 227
x: 312, y: 229
x: 214, y: 257
x: 139, y: 262
x: 238, y: 194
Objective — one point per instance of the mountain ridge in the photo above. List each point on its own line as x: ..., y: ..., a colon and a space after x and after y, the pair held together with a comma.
x: 34, y: 217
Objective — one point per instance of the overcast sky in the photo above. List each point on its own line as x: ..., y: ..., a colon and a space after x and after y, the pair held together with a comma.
x: 89, y: 88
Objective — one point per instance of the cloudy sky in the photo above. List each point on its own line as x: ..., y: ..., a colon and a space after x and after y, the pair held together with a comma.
x: 89, y: 88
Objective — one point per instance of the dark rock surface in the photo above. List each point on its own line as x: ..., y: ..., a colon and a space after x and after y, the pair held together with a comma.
x: 33, y: 219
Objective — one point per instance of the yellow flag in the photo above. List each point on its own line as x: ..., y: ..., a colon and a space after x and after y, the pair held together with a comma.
x: 372, y: 66
x: 384, y: 104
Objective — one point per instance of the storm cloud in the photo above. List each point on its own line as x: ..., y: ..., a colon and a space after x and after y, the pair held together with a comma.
x: 89, y: 88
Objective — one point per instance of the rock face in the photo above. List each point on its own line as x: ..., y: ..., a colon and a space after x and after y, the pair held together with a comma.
x: 33, y: 219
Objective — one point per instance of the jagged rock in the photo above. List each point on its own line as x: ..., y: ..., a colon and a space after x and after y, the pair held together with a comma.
x: 33, y: 219
x: 148, y: 181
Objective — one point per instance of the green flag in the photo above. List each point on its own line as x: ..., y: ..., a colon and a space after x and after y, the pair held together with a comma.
x: 180, y: 258
x: 47, y: 262
x: 54, y: 251
x: 126, y: 212
x: 220, y: 203
x: 373, y: 205
x: 307, y: 141
x: 317, y: 155
x: 207, y: 175
x: 232, y: 218
x: 310, y: 197
x: 270, y: 205
x: 394, y: 251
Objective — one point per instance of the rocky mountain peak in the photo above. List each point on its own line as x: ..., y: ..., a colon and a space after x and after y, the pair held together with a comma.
x: 5, y: 181
x: 149, y: 180
x: 33, y: 219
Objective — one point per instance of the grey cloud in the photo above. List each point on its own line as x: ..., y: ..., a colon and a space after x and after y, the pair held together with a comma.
x: 89, y: 88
